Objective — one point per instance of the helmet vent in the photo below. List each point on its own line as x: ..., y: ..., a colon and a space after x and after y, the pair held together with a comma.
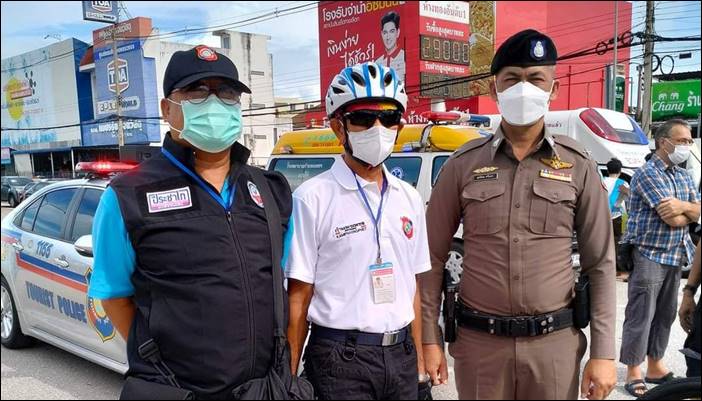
x: 372, y: 71
x: 358, y: 79
x: 388, y: 79
x: 337, y: 91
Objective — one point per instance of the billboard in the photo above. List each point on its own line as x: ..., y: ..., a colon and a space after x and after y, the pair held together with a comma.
x: 675, y: 99
x: 428, y: 43
x: 42, y: 91
x: 135, y: 76
x: 100, y: 11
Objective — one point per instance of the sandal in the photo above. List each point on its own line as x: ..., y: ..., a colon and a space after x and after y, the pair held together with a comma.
x: 637, y: 388
x: 665, y: 379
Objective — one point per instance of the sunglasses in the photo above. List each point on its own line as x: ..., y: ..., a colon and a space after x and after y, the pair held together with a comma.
x: 367, y: 118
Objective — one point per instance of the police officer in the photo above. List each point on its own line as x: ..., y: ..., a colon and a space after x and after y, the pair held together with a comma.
x: 520, y: 195
x: 182, y: 252
x: 359, y: 240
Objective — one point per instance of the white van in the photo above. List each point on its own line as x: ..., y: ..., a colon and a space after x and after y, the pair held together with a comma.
x: 606, y: 134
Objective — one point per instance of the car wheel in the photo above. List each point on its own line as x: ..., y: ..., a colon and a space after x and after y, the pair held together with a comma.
x: 12, y: 336
x: 12, y: 201
x: 454, y: 264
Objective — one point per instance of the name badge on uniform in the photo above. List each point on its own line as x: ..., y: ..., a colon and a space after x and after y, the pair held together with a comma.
x: 173, y: 199
x: 383, y: 281
x: 552, y: 175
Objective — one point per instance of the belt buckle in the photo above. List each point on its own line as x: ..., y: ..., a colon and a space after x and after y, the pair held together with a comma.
x: 545, y: 325
x: 391, y: 338
x: 518, y: 327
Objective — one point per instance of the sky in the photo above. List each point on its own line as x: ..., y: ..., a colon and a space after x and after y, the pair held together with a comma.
x: 293, y: 44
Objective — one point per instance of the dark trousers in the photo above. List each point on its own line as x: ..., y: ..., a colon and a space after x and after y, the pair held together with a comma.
x: 650, y: 311
x: 617, y: 229
x: 345, y: 371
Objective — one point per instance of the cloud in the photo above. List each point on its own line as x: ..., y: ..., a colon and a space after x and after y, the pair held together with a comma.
x: 293, y: 43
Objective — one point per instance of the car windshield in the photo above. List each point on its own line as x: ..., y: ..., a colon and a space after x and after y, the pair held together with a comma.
x: 19, y: 181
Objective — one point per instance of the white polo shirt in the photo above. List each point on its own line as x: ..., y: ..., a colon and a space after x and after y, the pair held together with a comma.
x: 333, y: 244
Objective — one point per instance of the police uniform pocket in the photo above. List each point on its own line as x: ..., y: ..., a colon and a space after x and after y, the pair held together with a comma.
x: 552, y: 208
x: 485, y: 207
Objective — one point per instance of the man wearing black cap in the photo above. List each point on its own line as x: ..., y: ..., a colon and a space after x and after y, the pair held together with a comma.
x: 520, y: 195
x: 182, y: 256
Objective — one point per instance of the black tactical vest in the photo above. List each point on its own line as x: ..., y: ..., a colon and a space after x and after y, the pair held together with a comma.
x: 203, y: 281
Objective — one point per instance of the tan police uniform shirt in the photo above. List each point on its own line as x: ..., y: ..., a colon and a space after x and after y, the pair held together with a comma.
x: 518, y: 222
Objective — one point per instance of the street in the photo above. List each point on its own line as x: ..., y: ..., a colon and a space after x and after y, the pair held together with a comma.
x: 46, y: 372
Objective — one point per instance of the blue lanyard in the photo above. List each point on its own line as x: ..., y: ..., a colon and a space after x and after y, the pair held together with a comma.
x: 376, y: 219
x: 226, y: 204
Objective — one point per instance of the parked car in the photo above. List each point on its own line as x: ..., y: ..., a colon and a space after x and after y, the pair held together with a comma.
x: 34, y: 188
x: 47, y: 263
x: 11, y: 187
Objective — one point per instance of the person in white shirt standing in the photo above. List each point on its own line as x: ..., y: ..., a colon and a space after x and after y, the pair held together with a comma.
x: 358, y: 242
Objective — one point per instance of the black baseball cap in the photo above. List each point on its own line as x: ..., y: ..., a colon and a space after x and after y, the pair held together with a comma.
x: 188, y: 66
x: 527, y: 48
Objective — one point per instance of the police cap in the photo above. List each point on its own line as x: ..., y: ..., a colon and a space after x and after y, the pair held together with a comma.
x: 525, y: 49
x: 188, y: 66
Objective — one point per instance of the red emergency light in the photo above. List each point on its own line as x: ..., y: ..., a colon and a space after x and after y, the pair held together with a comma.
x: 104, y: 168
x: 441, y: 116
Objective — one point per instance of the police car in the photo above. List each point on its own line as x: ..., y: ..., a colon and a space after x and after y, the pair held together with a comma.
x: 46, y: 269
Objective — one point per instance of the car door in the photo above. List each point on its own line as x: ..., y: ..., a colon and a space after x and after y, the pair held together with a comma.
x: 99, y: 334
x: 48, y: 281
x: 5, y: 189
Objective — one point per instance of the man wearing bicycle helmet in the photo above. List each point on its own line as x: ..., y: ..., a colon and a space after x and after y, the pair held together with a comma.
x: 358, y: 242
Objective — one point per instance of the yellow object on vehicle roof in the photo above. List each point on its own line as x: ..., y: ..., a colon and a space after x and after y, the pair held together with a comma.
x: 446, y: 138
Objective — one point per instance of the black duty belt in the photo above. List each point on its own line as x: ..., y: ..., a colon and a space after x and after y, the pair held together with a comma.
x: 520, y: 326
x: 361, y: 338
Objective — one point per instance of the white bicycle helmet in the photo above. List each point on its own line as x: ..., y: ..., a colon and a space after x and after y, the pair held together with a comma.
x: 367, y: 81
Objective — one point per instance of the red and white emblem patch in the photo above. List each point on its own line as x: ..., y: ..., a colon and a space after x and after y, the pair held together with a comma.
x: 407, y: 227
x: 255, y: 194
x: 205, y: 53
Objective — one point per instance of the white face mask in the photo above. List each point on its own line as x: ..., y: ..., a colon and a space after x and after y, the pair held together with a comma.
x: 373, y: 145
x: 523, y: 104
x: 680, y: 154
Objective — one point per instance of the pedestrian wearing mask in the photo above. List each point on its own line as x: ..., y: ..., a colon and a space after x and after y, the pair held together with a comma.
x: 520, y: 195
x: 185, y: 261
x: 359, y: 240
x: 664, y: 201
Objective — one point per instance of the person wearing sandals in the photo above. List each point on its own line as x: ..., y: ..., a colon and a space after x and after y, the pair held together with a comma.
x: 664, y: 200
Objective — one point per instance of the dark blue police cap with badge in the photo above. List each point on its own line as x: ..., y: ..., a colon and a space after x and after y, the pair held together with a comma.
x: 527, y: 48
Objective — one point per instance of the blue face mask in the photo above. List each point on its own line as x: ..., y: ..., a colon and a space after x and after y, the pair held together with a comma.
x: 211, y: 126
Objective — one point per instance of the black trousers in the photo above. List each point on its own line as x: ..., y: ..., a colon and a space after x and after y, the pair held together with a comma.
x: 346, y: 371
x: 693, y: 343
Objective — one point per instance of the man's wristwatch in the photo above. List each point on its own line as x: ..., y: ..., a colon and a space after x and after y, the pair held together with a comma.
x: 692, y: 289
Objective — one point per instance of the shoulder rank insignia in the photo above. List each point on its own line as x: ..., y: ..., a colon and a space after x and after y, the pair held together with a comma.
x: 556, y: 163
x: 552, y: 175
x: 485, y: 170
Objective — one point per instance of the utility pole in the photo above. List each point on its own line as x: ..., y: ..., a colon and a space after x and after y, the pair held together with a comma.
x: 118, y: 91
x: 647, y: 70
x: 613, y: 90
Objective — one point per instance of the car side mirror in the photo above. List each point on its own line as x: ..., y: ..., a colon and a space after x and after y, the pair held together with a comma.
x: 84, y: 246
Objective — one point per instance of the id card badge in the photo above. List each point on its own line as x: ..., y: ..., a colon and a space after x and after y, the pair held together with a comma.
x: 383, y: 281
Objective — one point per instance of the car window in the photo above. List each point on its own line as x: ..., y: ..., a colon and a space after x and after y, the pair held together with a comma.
x: 405, y: 168
x: 299, y: 170
x: 52, y: 213
x: 86, y: 210
x: 30, y: 213
x: 439, y: 162
x: 16, y: 182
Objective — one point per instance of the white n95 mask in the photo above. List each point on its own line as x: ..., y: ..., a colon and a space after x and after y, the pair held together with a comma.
x: 523, y: 104
x: 373, y: 145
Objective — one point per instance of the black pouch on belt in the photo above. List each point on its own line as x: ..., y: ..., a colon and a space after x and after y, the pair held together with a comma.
x: 581, y: 303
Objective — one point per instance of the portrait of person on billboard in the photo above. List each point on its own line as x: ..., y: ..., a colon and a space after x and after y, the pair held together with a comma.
x: 394, y: 56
